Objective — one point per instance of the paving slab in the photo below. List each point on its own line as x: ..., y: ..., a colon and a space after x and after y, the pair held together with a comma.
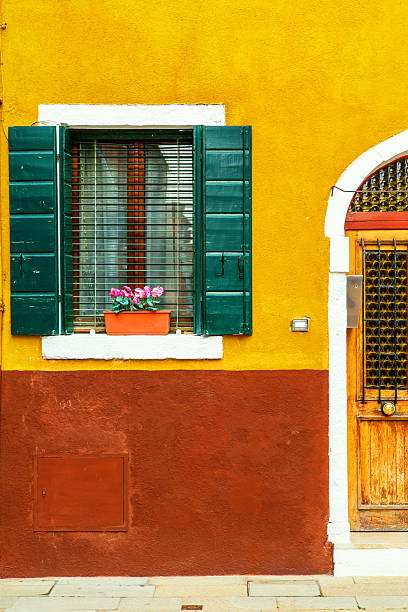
x: 382, y: 603
x: 371, y: 588
x: 161, y: 604
x: 284, y: 588
x: 28, y: 580
x: 57, y: 609
x: 252, y: 603
x: 316, y: 603
x: 389, y: 579
x: 187, y: 589
x: 223, y: 609
x: 208, y: 603
x: 211, y: 604
x: 128, y: 580
x: 324, y: 578
x: 26, y: 587
x: 334, y: 580
x: 7, y: 602
x: 49, y: 604
x: 230, y: 579
x: 226, y: 609
x: 274, y: 578
x: 210, y: 609
x: 106, y: 589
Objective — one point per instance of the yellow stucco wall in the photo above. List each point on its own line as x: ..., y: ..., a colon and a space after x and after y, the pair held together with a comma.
x: 320, y: 82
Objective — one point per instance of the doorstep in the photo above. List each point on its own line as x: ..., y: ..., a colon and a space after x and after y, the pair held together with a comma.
x: 373, y: 553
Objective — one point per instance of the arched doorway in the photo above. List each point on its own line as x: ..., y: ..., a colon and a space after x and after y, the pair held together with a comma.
x: 377, y: 384
x: 338, y: 205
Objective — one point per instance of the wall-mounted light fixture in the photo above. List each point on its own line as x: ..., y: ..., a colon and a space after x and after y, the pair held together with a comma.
x: 300, y: 325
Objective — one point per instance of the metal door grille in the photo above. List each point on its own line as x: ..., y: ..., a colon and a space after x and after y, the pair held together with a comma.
x: 384, y: 323
x: 132, y: 225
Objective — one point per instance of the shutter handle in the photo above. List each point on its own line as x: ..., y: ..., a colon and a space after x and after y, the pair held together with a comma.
x: 241, y: 262
x: 21, y: 264
x: 222, y: 261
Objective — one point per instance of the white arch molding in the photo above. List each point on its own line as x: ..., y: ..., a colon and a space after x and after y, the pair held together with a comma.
x: 338, y: 528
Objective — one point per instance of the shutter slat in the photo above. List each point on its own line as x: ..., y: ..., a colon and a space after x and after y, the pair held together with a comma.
x: 226, y: 240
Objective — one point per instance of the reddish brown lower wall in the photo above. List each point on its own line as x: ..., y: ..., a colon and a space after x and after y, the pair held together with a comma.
x: 228, y: 470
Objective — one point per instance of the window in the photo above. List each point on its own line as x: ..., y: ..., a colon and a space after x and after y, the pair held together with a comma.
x: 97, y: 209
x: 132, y: 223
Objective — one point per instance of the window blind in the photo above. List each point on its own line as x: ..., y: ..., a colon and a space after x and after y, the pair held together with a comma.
x: 132, y: 224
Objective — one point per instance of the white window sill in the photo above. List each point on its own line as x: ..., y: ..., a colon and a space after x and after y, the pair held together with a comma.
x: 102, y: 346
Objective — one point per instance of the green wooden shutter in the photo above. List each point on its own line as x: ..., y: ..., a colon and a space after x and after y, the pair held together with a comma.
x: 35, y: 230
x: 226, y: 230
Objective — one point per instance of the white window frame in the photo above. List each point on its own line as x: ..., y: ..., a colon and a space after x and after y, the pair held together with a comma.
x: 104, y: 116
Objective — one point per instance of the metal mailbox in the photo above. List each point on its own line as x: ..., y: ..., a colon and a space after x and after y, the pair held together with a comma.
x: 354, y: 287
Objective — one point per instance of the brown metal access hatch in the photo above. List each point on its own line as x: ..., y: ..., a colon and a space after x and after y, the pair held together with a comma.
x: 80, y: 492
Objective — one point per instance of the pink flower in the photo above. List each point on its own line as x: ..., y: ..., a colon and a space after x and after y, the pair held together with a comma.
x: 147, y: 290
x: 114, y: 292
x: 126, y: 292
x: 139, y: 292
x: 157, y: 291
x: 136, y: 300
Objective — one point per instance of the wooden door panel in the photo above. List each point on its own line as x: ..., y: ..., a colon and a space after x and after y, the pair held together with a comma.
x: 378, y: 444
x: 383, y: 445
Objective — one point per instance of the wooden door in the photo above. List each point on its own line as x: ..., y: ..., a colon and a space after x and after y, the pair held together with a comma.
x: 377, y: 375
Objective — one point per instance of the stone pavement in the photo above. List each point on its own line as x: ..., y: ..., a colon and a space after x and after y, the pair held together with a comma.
x: 204, y: 593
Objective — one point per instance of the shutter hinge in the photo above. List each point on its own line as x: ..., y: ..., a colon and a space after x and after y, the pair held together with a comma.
x: 59, y: 299
x: 2, y: 307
